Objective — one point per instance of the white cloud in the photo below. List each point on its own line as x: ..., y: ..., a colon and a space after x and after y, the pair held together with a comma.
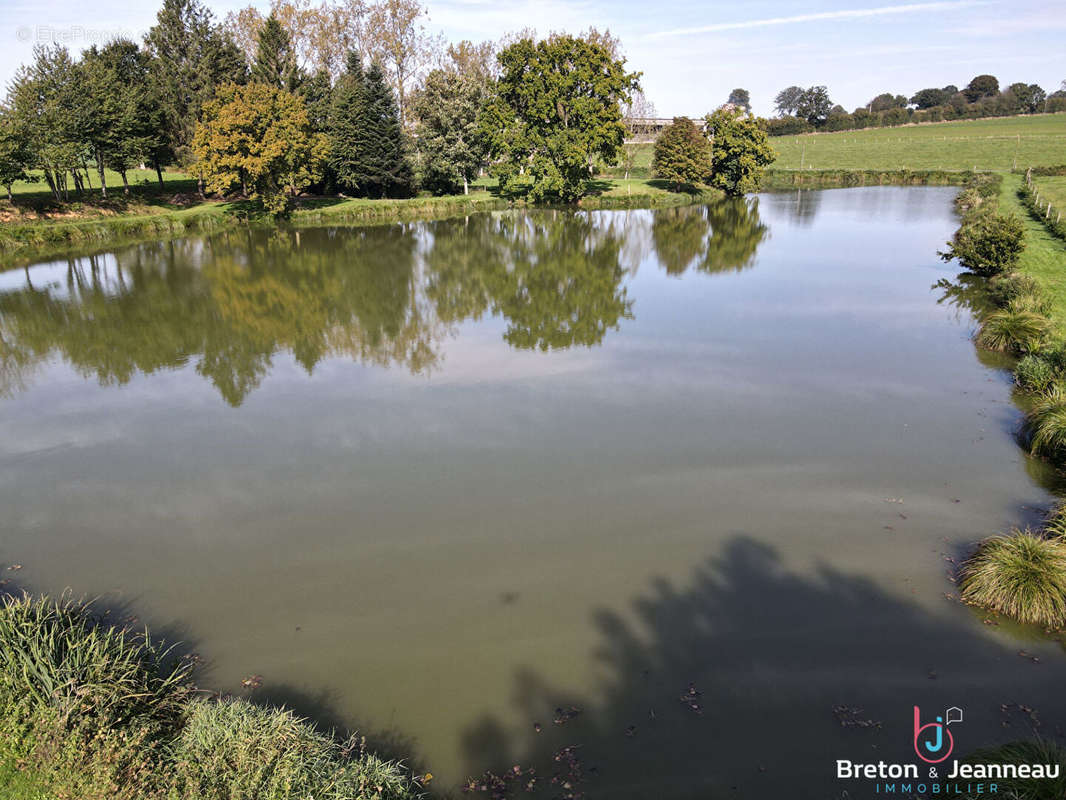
x: 818, y: 17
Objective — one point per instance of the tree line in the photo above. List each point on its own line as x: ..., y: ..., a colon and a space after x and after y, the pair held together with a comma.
x: 336, y: 98
x: 800, y: 110
x: 341, y: 97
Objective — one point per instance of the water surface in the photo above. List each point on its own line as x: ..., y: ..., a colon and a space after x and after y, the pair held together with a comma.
x: 435, y: 480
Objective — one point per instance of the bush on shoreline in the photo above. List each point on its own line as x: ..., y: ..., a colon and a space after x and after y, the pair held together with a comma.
x: 94, y: 711
x: 988, y: 242
x: 1022, y: 575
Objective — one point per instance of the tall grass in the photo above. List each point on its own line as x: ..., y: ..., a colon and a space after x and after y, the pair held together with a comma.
x: 1047, y: 423
x: 86, y: 704
x: 93, y: 711
x: 232, y: 750
x: 1016, y: 329
x: 1022, y: 575
x: 1038, y: 751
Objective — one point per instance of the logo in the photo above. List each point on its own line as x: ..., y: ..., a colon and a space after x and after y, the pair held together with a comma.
x: 933, y: 741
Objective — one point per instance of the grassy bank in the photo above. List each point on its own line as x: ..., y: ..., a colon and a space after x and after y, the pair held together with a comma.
x: 1044, y: 257
x: 92, y: 710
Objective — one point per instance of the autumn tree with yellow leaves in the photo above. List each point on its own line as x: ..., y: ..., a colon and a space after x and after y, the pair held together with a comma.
x: 257, y: 139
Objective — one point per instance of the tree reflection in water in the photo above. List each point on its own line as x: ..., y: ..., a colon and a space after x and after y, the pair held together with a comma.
x: 714, y: 238
x: 378, y: 295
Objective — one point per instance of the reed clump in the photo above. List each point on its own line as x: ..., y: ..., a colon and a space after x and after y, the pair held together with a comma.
x: 1021, y: 575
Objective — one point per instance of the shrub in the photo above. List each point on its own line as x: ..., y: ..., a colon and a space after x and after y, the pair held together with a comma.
x: 1035, y: 374
x: 1013, y: 330
x: 1047, y: 423
x: 233, y: 750
x: 682, y: 154
x: 1022, y: 575
x: 987, y: 243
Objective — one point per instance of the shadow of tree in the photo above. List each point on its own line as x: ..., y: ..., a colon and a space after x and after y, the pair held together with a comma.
x: 753, y: 680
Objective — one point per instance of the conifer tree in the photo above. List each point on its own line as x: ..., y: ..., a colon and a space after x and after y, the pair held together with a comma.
x: 275, y: 60
x: 347, y: 148
x: 390, y: 168
x: 367, y: 148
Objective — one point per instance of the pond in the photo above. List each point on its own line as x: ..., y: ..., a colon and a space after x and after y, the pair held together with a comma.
x: 699, y: 474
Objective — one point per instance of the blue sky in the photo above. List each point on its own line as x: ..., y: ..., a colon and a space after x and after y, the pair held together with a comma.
x: 692, y: 53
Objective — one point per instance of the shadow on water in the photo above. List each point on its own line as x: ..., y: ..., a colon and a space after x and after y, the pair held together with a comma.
x: 321, y: 708
x: 726, y: 688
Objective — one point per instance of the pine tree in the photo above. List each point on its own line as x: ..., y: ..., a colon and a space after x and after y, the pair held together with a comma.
x: 275, y: 61
x: 192, y: 56
x: 391, y: 172
x: 347, y: 148
x: 368, y: 153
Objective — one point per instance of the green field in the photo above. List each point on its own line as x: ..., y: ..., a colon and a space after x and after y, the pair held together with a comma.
x: 989, y: 144
x: 1044, y: 256
x: 1053, y: 189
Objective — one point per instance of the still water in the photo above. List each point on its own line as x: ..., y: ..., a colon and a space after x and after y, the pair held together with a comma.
x: 436, y: 480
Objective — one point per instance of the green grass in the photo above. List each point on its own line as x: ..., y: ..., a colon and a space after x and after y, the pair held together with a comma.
x: 1022, y: 575
x: 989, y: 144
x: 21, y: 784
x: 1044, y: 256
x: 91, y: 710
x: 139, y: 179
x: 1053, y: 188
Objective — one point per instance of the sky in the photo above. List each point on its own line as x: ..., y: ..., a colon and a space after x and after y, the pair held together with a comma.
x: 692, y: 53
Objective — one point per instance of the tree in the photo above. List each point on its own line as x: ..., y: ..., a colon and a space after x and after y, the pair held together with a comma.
x: 122, y: 123
x: 1028, y: 97
x: 788, y: 100
x: 981, y: 87
x: 883, y: 102
x: 814, y: 105
x: 451, y: 148
x: 258, y: 138
x: 557, y: 108
x: 474, y: 61
x: 929, y: 98
x: 191, y: 56
x: 275, y: 61
x: 740, y: 98
x: 317, y: 94
x: 367, y: 151
x: 682, y: 154
x: 399, y: 42
x: 45, y: 99
x: 740, y: 151
x: 243, y: 26
x: 15, y: 155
